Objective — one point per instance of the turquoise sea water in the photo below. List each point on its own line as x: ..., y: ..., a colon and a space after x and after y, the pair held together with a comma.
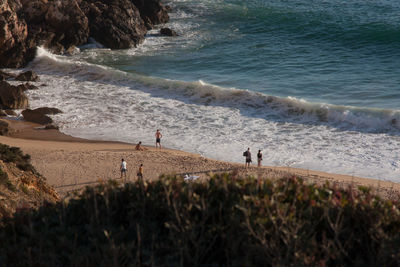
x: 313, y: 83
x: 337, y: 52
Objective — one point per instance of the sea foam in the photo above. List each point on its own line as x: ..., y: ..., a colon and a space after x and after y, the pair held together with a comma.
x: 103, y: 103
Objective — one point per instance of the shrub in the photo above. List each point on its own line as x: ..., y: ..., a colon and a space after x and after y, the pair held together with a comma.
x: 221, y: 222
x: 15, y: 155
x: 6, y: 181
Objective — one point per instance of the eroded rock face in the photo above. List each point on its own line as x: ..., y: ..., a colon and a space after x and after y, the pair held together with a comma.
x: 35, y: 10
x: 115, y: 24
x: 12, y: 97
x: 14, y: 51
x: 57, y: 25
x: 61, y: 25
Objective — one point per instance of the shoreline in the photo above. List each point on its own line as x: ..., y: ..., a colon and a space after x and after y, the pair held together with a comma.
x: 69, y: 163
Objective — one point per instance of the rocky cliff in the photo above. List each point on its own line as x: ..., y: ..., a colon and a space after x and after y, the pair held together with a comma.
x: 21, y: 187
x: 61, y: 25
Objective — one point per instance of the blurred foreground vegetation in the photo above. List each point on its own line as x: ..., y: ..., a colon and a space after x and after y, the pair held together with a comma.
x: 226, y: 221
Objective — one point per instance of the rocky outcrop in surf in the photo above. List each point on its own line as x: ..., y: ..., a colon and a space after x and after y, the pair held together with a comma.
x: 27, y: 76
x: 56, y: 25
x: 60, y: 26
x: 117, y: 25
x: 39, y: 115
x: 12, y: 97
x: 152, y: 12
x: 168, y: 32
x: 36, y: 117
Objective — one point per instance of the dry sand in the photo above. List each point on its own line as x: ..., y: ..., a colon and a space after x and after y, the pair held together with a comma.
x: 70, y: 163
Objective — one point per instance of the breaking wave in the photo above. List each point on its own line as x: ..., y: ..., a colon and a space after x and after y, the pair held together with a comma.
x: 250, y: 103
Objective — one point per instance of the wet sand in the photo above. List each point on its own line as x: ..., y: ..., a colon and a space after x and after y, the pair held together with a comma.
x: 70, y: 163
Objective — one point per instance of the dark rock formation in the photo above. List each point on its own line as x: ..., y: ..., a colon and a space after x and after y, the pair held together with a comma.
x: 6, y: 75
x: 27, y: 76
x: 56, y: 25
x: 168, y: 8
x: 61, y: 25
x: 10, y: 112
x: 14, y: 51
x: 152, y: 12
x: 168, y: 32
x: 48, y: 111
x: 51, y: 127
x: 12, y: 97
x: 25, y: 24
x: 4, y: 127
x: 3, y: 113
x: 27, y: 86
x: 36, y: 117
x: 115, y: 24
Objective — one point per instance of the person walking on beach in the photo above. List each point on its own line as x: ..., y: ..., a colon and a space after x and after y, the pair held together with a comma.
x: 140, y: 172
x: 123, y: 168
x: 158, y: 138
x: 247, y: 154
x: 259, y: 158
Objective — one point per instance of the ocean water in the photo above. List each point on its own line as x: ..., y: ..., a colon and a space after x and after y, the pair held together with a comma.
x: 314, y: 84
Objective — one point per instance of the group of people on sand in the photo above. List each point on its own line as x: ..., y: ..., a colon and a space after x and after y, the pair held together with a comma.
x: 139, y: 147
x: 247, y: 155
x: 158, y: 136
x: 124, y: 169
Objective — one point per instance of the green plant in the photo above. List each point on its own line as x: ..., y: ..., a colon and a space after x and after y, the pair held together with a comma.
x: 226, y: 221
x: 6, y: 181
x: 15, y: 155
x: 24, y: 189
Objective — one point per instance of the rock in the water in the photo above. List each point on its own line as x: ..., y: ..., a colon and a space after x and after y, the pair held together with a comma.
x: 56, y: 25
x: 6, y: 75
x: 117, y: 25
x: 10, y: 112
x: 48, y: 111
x: 152, y: 12
x: 61, y: 26
x: 168, y: 32
x: 28, y: 76
x: 51, y: 127
x: 3, y: 113
x: 36, y: 117
x: 25, y: 24
x: 168, y: 8
x: 27, y: 86
x: 12, y: 97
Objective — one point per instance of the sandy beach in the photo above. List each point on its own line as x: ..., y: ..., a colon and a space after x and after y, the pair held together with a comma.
x: 70, y: 163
